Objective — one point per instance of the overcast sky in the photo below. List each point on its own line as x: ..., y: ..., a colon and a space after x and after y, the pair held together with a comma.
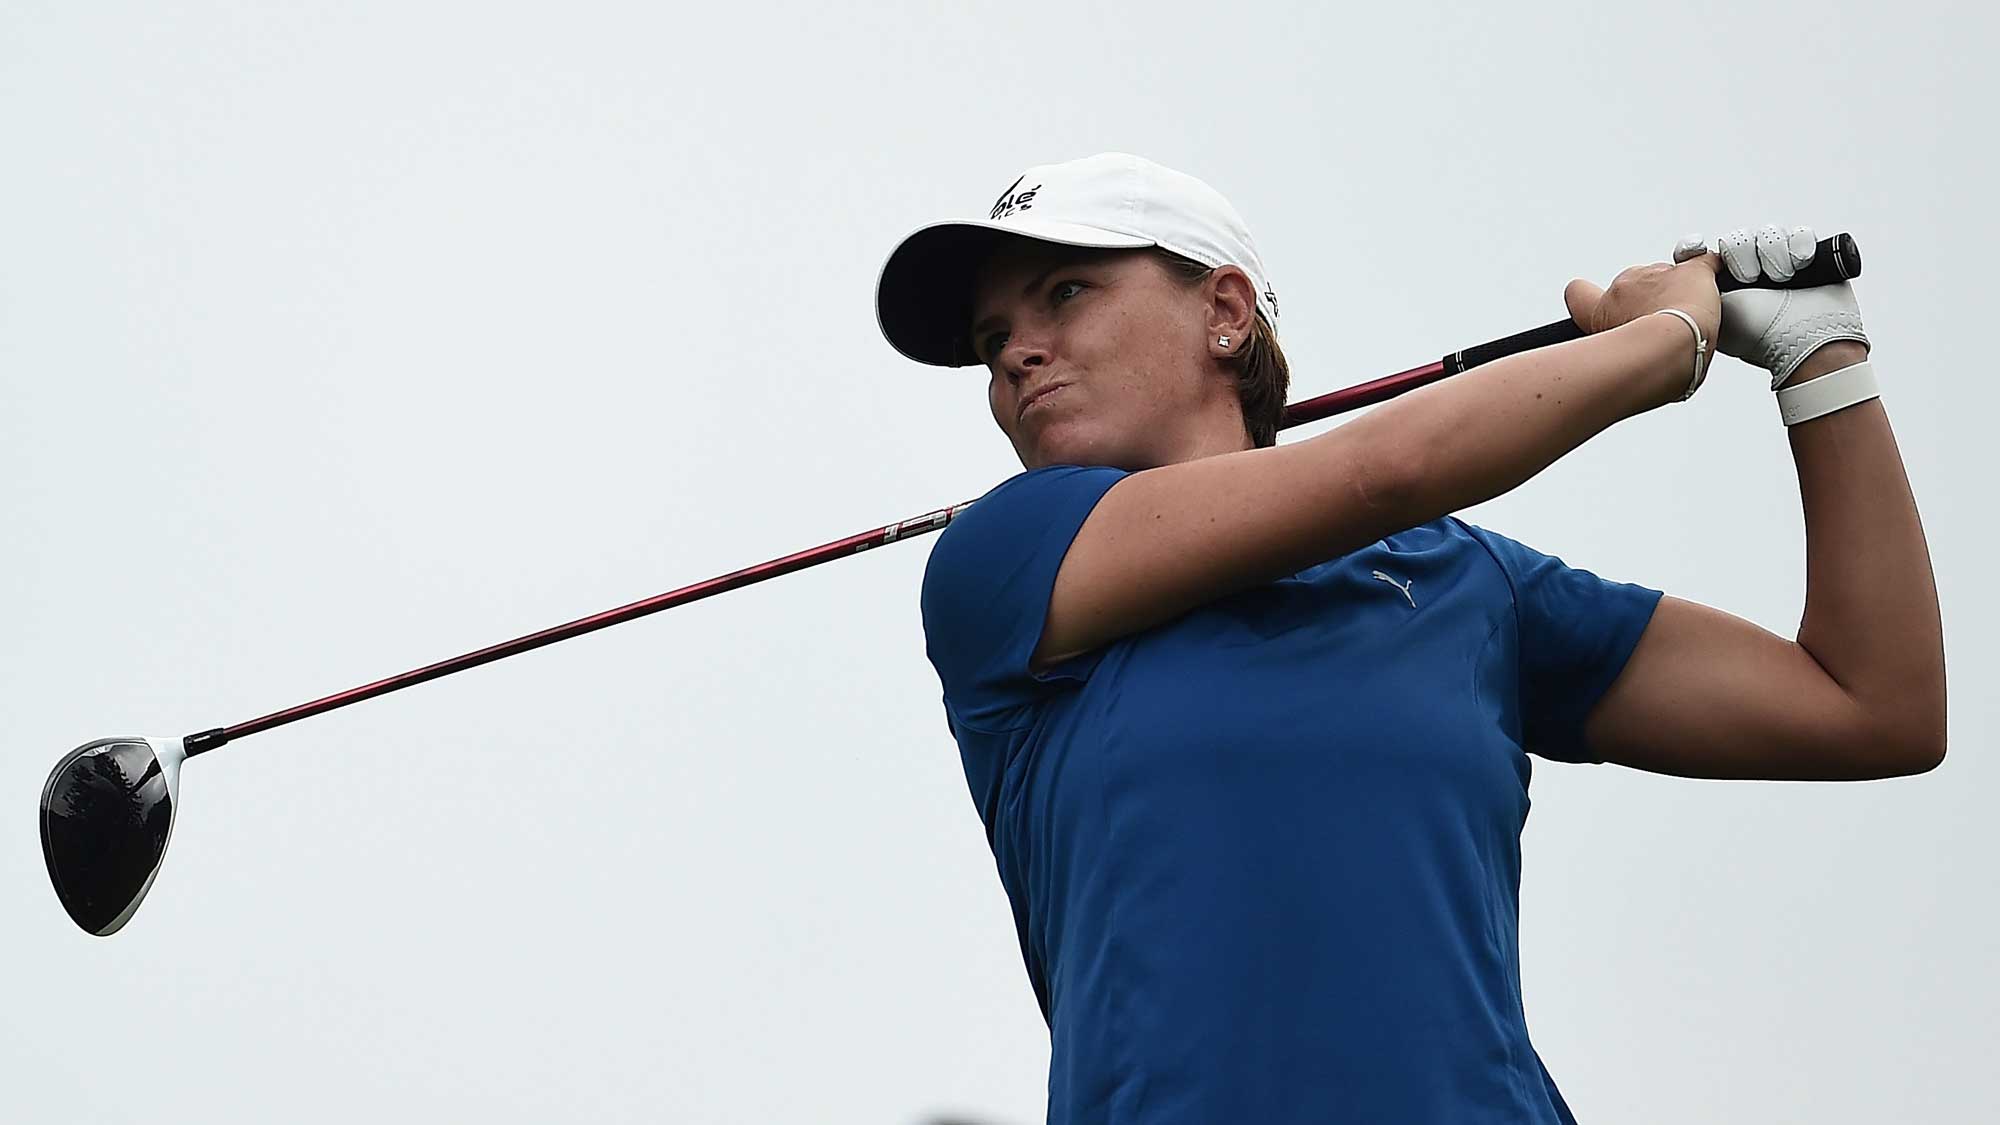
x: 336, y: 339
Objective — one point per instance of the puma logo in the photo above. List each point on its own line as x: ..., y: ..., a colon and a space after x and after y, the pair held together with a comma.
x: 1403, y: 586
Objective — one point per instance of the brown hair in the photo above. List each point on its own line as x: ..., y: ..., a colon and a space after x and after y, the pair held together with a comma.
x: 1263, y: 378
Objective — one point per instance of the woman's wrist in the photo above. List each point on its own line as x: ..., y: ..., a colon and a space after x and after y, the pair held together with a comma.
x: 1662, y: 354
x: 1828, y: 357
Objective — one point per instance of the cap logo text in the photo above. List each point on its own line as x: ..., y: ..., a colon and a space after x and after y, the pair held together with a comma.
x: 1011, y: 201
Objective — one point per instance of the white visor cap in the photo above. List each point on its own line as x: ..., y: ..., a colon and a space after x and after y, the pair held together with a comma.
x: 1113, y: 200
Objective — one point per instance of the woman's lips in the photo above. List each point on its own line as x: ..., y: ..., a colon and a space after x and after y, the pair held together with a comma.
x: 1039, y: 395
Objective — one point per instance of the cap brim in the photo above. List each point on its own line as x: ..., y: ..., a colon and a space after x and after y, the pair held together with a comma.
x: 924, y: 298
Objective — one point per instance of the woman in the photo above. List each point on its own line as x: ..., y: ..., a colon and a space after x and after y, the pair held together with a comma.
x: 1247, y: 723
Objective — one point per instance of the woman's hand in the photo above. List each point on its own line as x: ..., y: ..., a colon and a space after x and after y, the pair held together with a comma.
x: 1642, y: 290
x: 1796, y: 334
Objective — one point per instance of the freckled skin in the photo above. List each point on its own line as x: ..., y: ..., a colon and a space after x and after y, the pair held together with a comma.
x: 1132, y: 343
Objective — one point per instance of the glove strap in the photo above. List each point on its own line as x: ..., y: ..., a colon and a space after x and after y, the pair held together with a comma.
x: 1837, y: 390
x: 1700, y: 350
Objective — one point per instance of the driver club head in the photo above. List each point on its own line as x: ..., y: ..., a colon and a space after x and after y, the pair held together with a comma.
x: 107, y: 812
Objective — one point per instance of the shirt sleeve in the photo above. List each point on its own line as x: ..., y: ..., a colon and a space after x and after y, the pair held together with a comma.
x: 986, y: 592
x: 1575, y: 632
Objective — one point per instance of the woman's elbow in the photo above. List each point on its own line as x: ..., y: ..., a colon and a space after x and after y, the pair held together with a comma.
x: 1908, y: 745
x: 1388, y: 480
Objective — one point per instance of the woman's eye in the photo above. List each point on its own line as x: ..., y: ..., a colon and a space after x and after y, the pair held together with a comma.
x: 1065, y: 289
x: 992, y: 344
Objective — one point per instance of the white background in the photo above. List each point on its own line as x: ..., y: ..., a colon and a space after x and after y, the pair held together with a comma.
x: 339, y: 338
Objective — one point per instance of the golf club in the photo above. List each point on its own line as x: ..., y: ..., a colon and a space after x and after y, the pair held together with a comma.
x: 108, y: 809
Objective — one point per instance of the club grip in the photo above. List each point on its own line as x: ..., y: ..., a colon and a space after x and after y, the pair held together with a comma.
x: 1560, y: 332
x: 1836, y: 260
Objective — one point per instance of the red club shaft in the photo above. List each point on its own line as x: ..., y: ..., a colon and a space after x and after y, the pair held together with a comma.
x: 1311, y: 410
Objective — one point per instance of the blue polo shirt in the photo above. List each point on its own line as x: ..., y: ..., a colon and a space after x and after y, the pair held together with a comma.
x: 1264, y: 859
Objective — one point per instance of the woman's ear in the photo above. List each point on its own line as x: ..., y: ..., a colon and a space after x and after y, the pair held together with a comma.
x: 1232, y: 307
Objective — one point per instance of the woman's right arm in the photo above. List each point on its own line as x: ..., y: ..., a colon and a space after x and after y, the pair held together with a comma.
x: 1165, y: 540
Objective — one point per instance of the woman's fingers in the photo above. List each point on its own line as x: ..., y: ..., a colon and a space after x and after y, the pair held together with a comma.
x: 1770, y: 251
x: 1774, y: 252
x: 1739, y: 252
x: 1803, y: 247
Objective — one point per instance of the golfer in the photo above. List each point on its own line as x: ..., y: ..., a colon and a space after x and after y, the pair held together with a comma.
x: 1248, y: 724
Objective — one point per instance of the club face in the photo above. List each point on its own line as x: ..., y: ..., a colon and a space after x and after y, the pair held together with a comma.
x: 107, y: 813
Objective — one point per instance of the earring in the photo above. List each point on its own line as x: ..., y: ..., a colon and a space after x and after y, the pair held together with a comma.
x: 1222, y: 341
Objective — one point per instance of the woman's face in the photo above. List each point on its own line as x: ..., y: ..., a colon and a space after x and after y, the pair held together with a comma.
x: 1101, y: 358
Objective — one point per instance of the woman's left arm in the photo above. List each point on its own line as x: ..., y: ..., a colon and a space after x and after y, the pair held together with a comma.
x: 1860, y: 694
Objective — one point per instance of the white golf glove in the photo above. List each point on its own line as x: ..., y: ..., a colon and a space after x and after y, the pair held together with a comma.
x: 1776, y: 329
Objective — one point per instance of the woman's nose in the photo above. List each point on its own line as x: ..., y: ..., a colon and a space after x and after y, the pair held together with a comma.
x: 1020, y: 357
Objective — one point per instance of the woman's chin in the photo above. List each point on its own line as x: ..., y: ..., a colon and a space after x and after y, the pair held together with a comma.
x: 1067, y: 442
